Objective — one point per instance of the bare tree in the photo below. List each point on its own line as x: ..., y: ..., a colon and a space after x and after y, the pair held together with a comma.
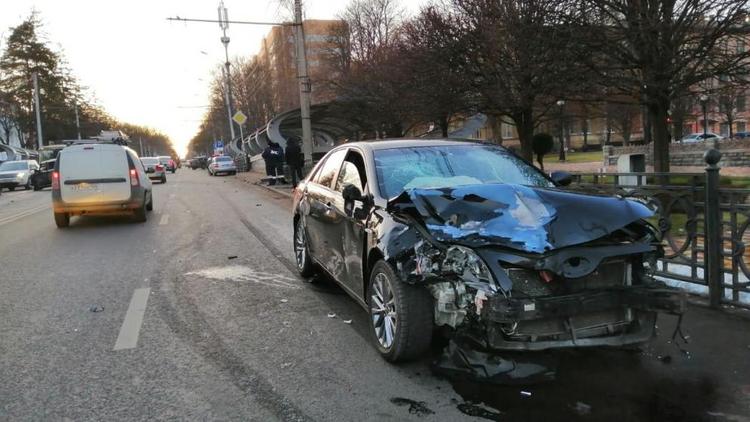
x: 659, y: 49
x: 8, y: 119
x: 620, y: 115
x: 519, y: 58
x: 731, y: 101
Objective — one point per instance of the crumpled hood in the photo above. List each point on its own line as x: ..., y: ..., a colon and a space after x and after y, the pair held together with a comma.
x: 525, y: 218
x: 12, y: 172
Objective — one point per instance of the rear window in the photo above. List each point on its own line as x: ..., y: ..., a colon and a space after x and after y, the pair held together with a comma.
x: 224, y: 159
x: 93, y: 162
x: 149, y: 161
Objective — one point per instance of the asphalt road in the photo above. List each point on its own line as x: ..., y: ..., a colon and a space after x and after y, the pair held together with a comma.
x: 197, y: 314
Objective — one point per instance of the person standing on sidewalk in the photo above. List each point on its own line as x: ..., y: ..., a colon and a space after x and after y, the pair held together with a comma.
x: 273, y: 156
x: 294, y: 159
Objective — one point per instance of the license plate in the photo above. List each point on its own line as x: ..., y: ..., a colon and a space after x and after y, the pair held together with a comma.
x: 86, y: 187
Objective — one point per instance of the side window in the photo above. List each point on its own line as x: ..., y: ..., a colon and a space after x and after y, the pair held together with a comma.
x: 352, y: 172
x: 330, y: 167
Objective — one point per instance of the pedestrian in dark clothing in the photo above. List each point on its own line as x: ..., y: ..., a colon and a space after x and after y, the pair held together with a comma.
x: 273, y: 156
x: 294, y: 159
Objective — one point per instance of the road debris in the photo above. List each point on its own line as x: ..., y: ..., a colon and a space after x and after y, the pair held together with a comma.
x: 347, y: 321
x: 96, y: 308
x: 418, y: 408
x: 478, y: 411
x: 284, y: 300
x: 232, y: 257
x: 582, y: 408
x: 526, y: 393
x: 331, y: 315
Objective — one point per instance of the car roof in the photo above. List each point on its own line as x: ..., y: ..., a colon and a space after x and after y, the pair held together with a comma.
x: 381, y: 144
x: 18, y: 161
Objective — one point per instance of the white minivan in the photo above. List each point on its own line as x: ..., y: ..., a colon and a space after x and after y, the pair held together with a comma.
x: 99, y: 178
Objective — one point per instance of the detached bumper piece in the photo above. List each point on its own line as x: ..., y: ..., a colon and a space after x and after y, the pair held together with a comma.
x: 606, y: 317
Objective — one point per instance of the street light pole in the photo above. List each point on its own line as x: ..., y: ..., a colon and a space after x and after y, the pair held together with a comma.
x: 704, y: 102
x: 561, y: 104
x: 224, y: 25
x: 78, y: 123
x: 304, y: 84
x: 37, y: 108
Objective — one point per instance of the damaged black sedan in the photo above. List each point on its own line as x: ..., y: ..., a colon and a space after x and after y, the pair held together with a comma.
x: 467, y: 239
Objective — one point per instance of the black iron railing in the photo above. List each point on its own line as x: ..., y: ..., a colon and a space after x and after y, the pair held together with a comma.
x: 705, y: 226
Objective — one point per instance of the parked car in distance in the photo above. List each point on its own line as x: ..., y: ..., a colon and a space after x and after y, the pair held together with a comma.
x: 699, y: 137
x: 468, y: 238
x: 17, y: 173
x: 155, y: 169
x: 42, y: 177
x: 168, y: 163
x: 221, y: 164
x: 742, y: 135
x: 198, y: 162
x: 99, y: 178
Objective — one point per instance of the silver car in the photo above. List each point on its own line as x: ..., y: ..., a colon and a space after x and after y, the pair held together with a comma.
x: 221, y: 164
x: 154, y: 169
x: 17, y: 173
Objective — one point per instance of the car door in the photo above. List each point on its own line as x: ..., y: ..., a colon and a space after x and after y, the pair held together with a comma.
x: 350, y: 224
x: 321, y: 218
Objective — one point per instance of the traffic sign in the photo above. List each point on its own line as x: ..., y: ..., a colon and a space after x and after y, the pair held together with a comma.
x: 239, y: 117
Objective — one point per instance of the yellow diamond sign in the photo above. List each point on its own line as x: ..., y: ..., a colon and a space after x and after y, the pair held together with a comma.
x: 240, y: 118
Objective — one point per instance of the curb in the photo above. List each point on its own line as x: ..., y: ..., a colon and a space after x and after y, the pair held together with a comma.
x: 274, y: 190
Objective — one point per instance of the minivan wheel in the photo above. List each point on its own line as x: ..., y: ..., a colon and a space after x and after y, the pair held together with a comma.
x: 62, y: 219
x: 401, y: 320
x: 150, y: 205
x: 164, y: 179
x: 140, y: 213
x: 304, y: 263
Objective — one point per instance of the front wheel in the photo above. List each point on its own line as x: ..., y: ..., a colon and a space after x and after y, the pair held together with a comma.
x: 401, y: 318
x: 140, y: 213
x: 164, y: 179
x: 304, y: 263
x: 62, y: 219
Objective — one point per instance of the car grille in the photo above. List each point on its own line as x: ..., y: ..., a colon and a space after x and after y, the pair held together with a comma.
x: 7, y: 176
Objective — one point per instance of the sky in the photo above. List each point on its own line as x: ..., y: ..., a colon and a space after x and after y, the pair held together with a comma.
x: 144, y: 69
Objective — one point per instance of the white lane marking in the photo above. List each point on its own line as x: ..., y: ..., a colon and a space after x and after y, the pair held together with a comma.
x: 23, y: 214
x: 246, y: 274
x: 164, y: 220
x: 131, y: 326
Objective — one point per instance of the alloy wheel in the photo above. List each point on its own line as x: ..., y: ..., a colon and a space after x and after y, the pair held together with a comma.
x: 383, y: 310
x: 300, y: 245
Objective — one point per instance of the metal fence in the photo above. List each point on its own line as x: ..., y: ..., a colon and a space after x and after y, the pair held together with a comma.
x: 705, y: 227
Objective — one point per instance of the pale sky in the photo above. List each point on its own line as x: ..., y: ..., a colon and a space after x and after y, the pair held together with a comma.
x: 144, y: 69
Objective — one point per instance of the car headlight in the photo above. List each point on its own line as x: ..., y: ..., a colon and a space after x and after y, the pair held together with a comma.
x: 20, y: 175
x: 468, y: 266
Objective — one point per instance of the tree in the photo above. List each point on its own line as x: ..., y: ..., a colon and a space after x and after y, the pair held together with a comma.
x: 8, y: 119
x: 731, y: 101
x: 438, y: 86
x: 620, y: 113
x: 656, y: 50
x: 519, y: 59
x: 542, y: 144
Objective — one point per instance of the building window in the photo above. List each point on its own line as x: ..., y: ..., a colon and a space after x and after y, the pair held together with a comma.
x: 507, y: 130
x: 741, y: 126
x: 741, y: 102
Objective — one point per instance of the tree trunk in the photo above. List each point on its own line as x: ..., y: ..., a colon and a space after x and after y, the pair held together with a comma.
x: 443, y: 122
x: 657, y: 111
x: 730, y: 123
x: 525, y: 126
x: 647, y: 139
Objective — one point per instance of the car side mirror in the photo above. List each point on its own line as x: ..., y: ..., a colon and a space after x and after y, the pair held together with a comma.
x: 351, y: 193
x: 561, y: 178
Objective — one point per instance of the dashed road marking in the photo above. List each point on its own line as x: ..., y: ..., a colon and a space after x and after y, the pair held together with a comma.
x: 22, y: 214
x: 164, y: 220
x: 131, y: 326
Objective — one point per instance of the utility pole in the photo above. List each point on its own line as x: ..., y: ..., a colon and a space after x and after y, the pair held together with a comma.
x: 224, y: 25
x: 78, y: 123
x: 140, y: 146
x: 304, y: 83
x: 35, y: 76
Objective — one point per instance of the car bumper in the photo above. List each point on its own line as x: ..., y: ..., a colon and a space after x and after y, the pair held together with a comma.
x: 157, y: 176
x: 9, y: 184
x: 607, y: 317
x: 111, y: 207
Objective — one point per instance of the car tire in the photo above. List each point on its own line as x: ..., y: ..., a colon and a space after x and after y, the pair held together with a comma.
x: 407, y: 309
x: 164, y: 179
x: 37, y: 187
x: 12, y: 188
x: 150, y: 205
x: 305, y: 266
x: 140, y: 213
x: 62, y: 219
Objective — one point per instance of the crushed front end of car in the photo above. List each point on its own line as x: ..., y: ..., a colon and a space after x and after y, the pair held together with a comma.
x: 519, y: 268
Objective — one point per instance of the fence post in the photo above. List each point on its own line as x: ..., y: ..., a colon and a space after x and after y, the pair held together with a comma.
x: 713, y: 244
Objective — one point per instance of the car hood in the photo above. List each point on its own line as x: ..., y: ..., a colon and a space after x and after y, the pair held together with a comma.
x: 524, y: 218
x: 13, y: 172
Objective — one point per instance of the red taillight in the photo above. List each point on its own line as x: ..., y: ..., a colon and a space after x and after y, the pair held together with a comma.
x: 134, y: 178
x: 159, y: 167
x: 55, y: 180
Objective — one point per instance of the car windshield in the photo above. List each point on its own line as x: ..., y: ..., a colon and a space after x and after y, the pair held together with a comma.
x: 149, y: 161
x: 164, y: 160
x: 224, y: 159
x: 400, y: 169
x: 14, y: 165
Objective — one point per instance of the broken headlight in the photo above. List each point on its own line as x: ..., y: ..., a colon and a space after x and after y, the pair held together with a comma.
x: 468, y: 266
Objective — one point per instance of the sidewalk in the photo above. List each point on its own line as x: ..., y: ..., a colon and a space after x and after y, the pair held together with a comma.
x: 256, y: 178
x: 594, y: 167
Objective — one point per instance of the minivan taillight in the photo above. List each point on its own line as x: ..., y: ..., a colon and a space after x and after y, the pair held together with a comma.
x: 55, y: 180
x: 134, y: 178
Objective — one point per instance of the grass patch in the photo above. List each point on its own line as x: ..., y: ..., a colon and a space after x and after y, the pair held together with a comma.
x: 577, y: 157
